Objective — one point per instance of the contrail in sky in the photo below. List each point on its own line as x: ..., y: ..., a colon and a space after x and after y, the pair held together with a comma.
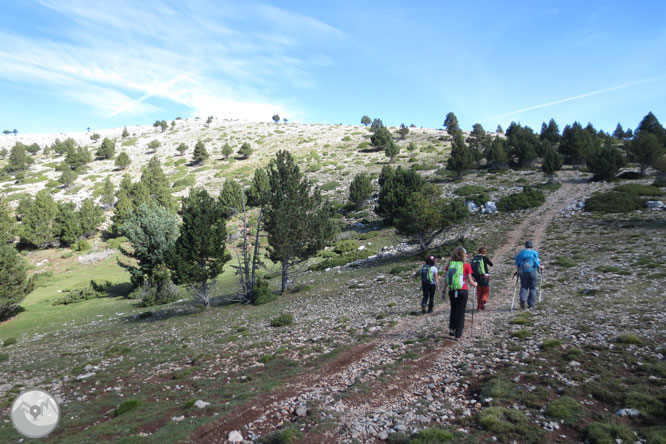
x: 568, y: 99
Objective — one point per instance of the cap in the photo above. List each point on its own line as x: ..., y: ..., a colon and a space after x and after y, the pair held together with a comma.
x: 528, y: 244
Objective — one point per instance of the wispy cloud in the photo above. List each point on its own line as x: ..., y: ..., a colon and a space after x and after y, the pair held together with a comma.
x: 213, y: 57
x: 580, y: 96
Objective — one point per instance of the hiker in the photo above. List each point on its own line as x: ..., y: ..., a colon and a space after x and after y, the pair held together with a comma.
x: 480, y: 271
x: 527, y: 264
x: 428, y: 284
x: 458, y: 273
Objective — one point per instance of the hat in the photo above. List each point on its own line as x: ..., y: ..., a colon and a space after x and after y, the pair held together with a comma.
x: 528, y: 244
x: 432, y: 258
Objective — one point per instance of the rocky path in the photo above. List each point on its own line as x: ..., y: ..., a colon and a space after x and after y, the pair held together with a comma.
x: 370, y: 391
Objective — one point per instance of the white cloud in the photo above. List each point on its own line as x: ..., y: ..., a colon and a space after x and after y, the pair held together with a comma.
x: 115, y: 56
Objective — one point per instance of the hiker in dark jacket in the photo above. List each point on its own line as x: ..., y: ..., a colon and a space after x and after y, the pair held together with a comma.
x: 527, y: 264
x: 428, y: 284
x: 482, y: 279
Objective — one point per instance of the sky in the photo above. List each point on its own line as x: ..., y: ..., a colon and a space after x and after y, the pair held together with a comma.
x: 69, y: 65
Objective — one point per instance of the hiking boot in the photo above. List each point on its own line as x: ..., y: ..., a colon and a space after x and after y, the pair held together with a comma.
x: 423, y: 310
x: 522, y: 304
x: 452, y: 333
x: 430, y: 310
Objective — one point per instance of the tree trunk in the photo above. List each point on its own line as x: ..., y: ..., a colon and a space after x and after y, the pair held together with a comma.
x: 204, y: 293
x: 256, y: 250
x: 285, y: 276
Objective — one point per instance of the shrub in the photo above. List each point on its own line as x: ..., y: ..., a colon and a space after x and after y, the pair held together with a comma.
x: 284, y: 436
x: 467, y: 190
x: 629, y: 338
x: 8, y: 342
x: 550, y: 344
x: 520, y: 334
x: 81, y: 245
x: 608, y: 433
x: 328, y: 186
x: 4, y: 357
x: 262, y: 293
x: 528, y: 198
x: 499, y: 420
x: 346, y: 246
x: 163, y: 293
x: 564, y: 408
x: 282, y: 321
x: 432, y: 436
x: 498, y: 388
x: 573, y: 354
x: 78, y: 295
x: 639, y: 190
x: 127, y: 406
x: 614, y: 202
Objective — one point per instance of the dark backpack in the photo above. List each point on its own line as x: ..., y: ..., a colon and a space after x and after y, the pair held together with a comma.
x: 427, y: 277
x: 478, y: 267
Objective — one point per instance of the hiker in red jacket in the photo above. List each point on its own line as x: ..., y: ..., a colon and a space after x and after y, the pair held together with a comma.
x: 480, y: 270
x: 458, y: 274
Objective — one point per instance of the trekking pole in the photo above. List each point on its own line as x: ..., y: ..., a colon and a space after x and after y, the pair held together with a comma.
x: 540, y: 280
x: 476, y: 289
x: 515, y: 289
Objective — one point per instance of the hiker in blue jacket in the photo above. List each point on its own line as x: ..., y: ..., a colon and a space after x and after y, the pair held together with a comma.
x: 527, y: 264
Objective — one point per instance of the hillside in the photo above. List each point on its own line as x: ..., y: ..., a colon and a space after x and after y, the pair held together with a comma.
x: 358, y: 362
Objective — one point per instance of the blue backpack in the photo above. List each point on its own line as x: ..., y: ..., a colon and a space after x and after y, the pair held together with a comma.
x: 427, y: 277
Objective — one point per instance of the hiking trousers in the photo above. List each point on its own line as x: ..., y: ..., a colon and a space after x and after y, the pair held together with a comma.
x: 428, y: 296
x: 528, y: 282
x: 458, y: 307
x: 482, y: 294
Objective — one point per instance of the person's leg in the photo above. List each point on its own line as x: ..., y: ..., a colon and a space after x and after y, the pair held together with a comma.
x: 431, y: 301
x: 524, y: 288
x: 459, y: 321
x: 483, y: 293
x: 533, y: 281
x: 424, y: 300
x: 452, y: 301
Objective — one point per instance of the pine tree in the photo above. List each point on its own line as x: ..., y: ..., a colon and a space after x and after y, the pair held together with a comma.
x: 18, y: 159
x: 376, y: 124
x: 604, y: 163
x: 360, y: 189
x: 462, y: 157
x: 497, y: 155
x: 479, y: 141
x: 365, y: 120
x: 395, y: 187
x: 651, y: 125
x: 38, y: 220
x: 227, y: 150
x: 523, y: 143
x: 577, y: 144
x: 123, y: 160
x: 424, y: 215
x: 3, y: 153
x: 552, y: 162
x: 158, y: 185
x: 154, y: 145
x: 619, y: 132
x: 91, y: 217
x: 69, y: 223
x: 107, y: 149
x: 403, y: 131
x: 245, y: 150
x: 163, y: 125
x: 645, y: 149
x: 199, y: 254
x: 151, y: 231
x: 231, y: 198
x: 8, y: 225
x: 297, y: 221
x: 391, y: 150
x: 125, y: 133
x: 124, y: 205
x: 259, y: 188
x: 451, y: 124
x: 15, y: 284
x: 200, y: 154
x: 276, y: 118
x: 182, y: 148
x: 67, y: 178
x: 108, y: 197
x: 381, y: 138
x: 550, y: 132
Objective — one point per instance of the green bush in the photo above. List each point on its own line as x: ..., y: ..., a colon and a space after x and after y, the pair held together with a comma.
x: 127, y: 406
x: 500, y: 420
x: 573, y: 354
x: 520, y: 334
x: 432, y: 436
x: 499, y: 389
x: 564, y: 262
x: 328, y: 186
x: 652, y: 409
x: 9, y: 341
x: 81, y: 245
x: 78, y: 295
x: 4, y: 357
x: 565, y: 408
x: 180, y: 184
x: 284, y: 436
x: 528, y: 198
x: 467, y: 190
x: 283, y: 320
x: 549, y: 186
x: 346, y: 246
x: 614, y: 202
x: 607, y: 433
x: 549, y: 344
x: 262, y: 293
x: 639, y: 190
x: 629, y: 338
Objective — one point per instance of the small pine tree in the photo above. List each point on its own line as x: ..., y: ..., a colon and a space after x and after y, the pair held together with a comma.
x: 552, y: 162
x: 403, y: 131
x: 38, y: 220
x: 123, y: 160
x: 499, y: 129
x: 365, y: 121
x: 163, y: 125
x: 125, y: 133
x: 605, y: 162
x: 381, y: 138
x: 391, y: 150
x: 7, y: 223
x: 259, y: 189
x: 462, y: 157
x: 199, y: 254
x: 376, y: 124
x: 15, y: 284
x: 154, y: 145
x: 231, y: 198
x: 91, y: 217
x: 227, y: 150
x: 157, y: 184
x: 276, y: 118
x: 182, y: 148
x: 69, y: 224
x: 108, y: 197
x: 67, y: 178
x: 200, y: 154
x: 95, y: 137
x: 107, y: 149
x: 18, y: 159
x: 451, y: 124
x: 645, y: 149
x: 360, y: 189
x: 245, y: 150
x: 3, y: 153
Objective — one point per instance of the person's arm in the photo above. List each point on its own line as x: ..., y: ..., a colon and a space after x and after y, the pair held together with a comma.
x: 488, y: 262
x: 436, y: 280
x: 471, y: 280
x: 537, y: 261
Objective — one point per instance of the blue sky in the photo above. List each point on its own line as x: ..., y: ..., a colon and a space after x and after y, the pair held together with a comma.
x: 66, y: 65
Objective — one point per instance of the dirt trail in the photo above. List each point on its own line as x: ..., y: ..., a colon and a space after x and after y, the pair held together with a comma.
x: 325, y: 386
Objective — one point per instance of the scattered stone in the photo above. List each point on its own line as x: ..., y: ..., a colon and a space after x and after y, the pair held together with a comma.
x: 633, y: 413
x: 201, y: 404
x: 178, y: 418
x: 235, y: 436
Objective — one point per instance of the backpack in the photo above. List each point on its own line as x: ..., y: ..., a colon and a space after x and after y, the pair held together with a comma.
x: 455, y: 276
x: 478, y: 267
x: 527, y: 265
x: 426, y: 275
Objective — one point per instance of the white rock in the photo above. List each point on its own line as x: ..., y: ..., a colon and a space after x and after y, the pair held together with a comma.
x: 178, y: 418
x: 201, y: 404
x: 655, y: 205
x: 628, y: 412
x: 301, y: 411
x: 235, y: 436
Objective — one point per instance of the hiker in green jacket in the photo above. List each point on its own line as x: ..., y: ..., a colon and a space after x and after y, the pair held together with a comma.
x: 458, y: 274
